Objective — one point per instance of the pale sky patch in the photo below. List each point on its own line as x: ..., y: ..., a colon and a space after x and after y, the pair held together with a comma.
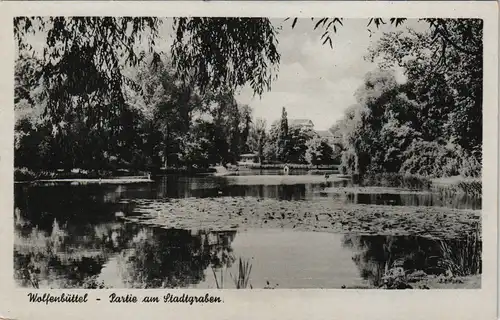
x: 315, y: 81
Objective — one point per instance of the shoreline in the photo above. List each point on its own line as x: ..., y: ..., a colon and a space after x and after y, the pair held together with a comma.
x: 264, y: 166
x: 94, y: 181
x: 23, y: 175
x: 373, y: 190
x: 432, y: 282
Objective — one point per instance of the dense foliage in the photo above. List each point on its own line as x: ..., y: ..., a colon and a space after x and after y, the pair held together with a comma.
x: 429, y: 125
x: 257, y: 138
x: 320, y: 152
x: 297, y: 144
x: 163, y: 122
x: 99, y: 94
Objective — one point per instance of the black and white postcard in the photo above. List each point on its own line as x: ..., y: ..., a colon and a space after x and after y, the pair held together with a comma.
x: 246, y: 159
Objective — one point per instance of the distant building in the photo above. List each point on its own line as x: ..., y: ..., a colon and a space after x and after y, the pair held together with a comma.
x: 333, y: 140
x: 294, y: 123
x: 327, y: 135
x: 337, y: 135
x: 249, y: 158
x: 305, y: 123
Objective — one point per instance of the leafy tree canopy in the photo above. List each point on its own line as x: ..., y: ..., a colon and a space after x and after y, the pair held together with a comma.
x: 84, y: 58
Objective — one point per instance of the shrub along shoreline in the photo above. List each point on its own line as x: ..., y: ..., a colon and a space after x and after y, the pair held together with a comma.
x: 448, y: 186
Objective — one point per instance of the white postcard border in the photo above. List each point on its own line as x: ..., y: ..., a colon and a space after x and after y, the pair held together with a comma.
x: 263, y: 304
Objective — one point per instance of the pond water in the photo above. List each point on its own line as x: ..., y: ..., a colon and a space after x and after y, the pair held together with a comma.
x: 69, y: 237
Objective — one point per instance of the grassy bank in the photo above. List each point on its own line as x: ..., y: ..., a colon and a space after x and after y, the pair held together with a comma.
x: 458, y: 185
x: 23, y: 174
x: 394, y: 180
x: 289, y: 165
x: 372, y: 190
x: 26, y: 175
x: 184, y: 170
x: 280, y: 179
x: 448, y: 186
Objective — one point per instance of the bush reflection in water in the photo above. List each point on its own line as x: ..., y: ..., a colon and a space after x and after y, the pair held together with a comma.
x: 147, y: 257
x: 150, y: 257
x: 378, y: 255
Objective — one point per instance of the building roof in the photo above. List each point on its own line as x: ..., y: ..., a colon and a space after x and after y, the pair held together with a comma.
x: 248, y: 155
x: 300, y: 122
x: 324, y: 133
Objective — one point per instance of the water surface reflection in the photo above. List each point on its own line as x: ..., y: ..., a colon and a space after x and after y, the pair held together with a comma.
x: 142, y: 257
x: 124, y: 255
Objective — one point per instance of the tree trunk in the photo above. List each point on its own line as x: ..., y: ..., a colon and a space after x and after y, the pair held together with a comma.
x: 166, y: 148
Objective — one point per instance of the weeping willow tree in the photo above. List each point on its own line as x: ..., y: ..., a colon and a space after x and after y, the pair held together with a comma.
x: 85, y: 59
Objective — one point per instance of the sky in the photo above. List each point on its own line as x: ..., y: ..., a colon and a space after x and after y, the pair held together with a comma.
x: 314, y: 81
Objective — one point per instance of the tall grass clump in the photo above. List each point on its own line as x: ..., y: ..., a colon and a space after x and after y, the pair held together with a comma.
x: 219, y: 281
x: 471, y: 187
x: 243, y: 277
x: 463, y: 257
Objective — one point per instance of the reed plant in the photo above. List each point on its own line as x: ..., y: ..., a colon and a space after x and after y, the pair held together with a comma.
x: 219, y: 281
x: 470, y: 188
x: 463, y: 257
x: 241, y: 279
